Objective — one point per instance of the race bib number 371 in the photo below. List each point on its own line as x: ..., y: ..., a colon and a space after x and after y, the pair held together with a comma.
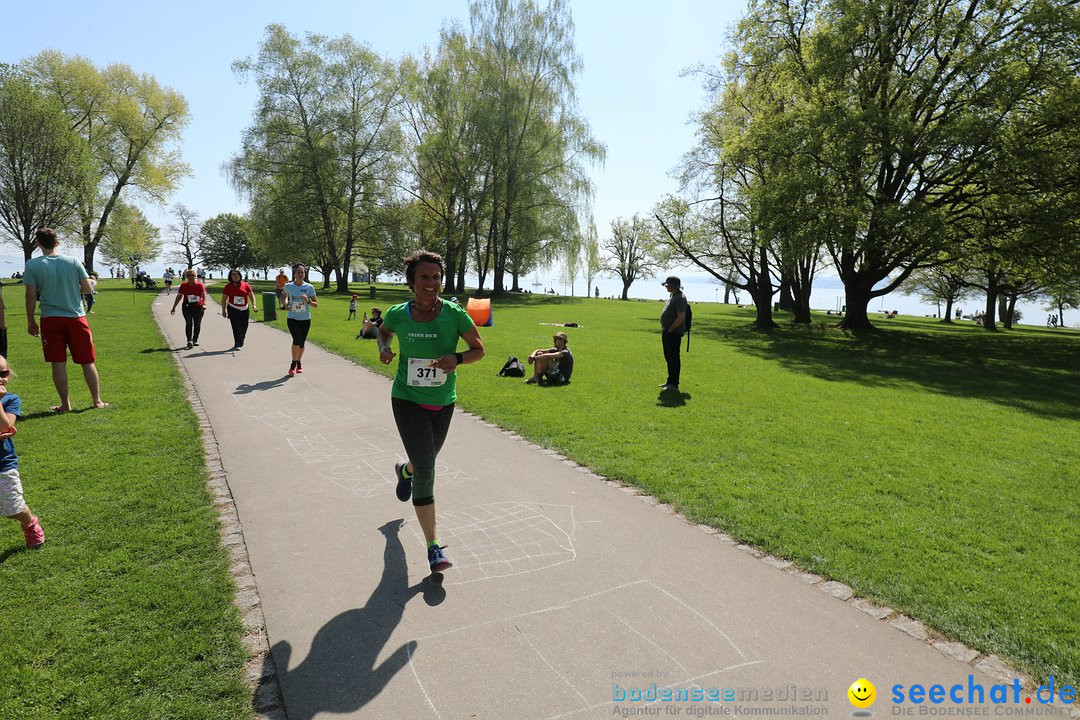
x: 423, y: 373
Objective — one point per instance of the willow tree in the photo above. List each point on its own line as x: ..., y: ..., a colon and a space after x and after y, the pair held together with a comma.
x: 131, y: 126
x: 536, y: 145
x: 591, y: 261
x: 325, y: 133
x: 442, y: 118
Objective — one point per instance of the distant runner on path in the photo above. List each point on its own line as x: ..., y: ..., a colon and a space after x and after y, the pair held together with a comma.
x: 237, y: 304
x: 299, y: 298
x: 425, y: 387
x: 193, y: 294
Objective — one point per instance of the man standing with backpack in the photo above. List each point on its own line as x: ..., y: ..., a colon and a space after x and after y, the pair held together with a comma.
x: 673, y: 324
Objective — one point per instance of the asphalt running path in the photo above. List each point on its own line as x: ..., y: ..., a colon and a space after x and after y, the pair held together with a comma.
x: 564, y: 586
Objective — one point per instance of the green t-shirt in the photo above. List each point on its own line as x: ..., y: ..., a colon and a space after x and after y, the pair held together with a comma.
x: 57, y: 278
x: 426, y: 341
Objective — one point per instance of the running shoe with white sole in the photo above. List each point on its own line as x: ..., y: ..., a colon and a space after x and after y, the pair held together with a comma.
x: 437, y: 559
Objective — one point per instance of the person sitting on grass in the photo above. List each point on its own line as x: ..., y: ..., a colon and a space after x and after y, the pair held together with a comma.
x: 370, y: 328
x: 555, y: 365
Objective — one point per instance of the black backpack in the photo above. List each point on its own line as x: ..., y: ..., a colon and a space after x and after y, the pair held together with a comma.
x: 512, y: 368
x: 686, y: 323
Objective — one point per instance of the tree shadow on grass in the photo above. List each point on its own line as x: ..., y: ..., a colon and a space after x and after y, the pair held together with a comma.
x: 342, y: 672
x: 1027, y: 371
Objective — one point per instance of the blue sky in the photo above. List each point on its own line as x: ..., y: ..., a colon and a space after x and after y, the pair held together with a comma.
x: 630, y: 89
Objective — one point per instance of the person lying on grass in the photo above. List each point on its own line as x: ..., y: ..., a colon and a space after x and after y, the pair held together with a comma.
x: 552, y: 364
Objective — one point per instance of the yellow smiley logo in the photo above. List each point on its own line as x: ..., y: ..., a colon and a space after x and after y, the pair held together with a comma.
x: 862, y: 693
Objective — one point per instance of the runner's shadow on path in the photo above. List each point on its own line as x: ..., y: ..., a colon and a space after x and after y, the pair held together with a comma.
x: 340, y: 674
x: 264, y: 385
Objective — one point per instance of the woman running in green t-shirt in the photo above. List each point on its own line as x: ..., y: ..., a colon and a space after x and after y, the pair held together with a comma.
x: 425, y: 387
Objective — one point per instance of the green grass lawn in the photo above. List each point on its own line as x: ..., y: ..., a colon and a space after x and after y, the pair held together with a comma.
x: 933, y: 468
x: 127, y: 610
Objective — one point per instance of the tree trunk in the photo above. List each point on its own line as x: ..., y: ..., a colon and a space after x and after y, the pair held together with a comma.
x: 1061, y: 315
x: 626, y: 288
x: 342, y: 278
x: 451, y: 274
x: 1003, y: 308
x: 948, y: 310
x: 786, y: 299
x: 1009, y: 310
x: 991, y: 295
x: 727, y: 293
x: 761, y: 292
x: 801, y: 307
x: 856, y: 297
x: 89, y: 249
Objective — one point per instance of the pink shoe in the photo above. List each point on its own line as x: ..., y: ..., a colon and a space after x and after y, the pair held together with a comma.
x: 292, y: 369
x: 299, y: 368
x: 34, y: 535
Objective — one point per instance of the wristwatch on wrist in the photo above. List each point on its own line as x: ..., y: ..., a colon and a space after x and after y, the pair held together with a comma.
x: 460, y: 358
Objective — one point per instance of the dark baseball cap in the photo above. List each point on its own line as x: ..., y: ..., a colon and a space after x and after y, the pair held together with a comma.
x: 672, y: 280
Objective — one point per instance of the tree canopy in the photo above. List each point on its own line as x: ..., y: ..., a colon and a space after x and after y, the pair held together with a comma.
x: 130, y: 125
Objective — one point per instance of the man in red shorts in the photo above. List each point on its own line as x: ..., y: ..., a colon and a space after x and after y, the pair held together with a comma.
x: 59, y: 282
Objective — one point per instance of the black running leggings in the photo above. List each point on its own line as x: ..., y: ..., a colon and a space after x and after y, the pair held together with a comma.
x: 422, y: 433
x: 239, y: 320
x: 192, y: 321
x: 299, y: 330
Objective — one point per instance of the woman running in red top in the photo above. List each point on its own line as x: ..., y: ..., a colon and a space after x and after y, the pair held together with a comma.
x: 193, y: 294
x: 237, y: 304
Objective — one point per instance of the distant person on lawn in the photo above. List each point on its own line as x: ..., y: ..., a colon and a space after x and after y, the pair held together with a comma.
x: 673, y: 326
x: 555, y: 365
x: 279, y: 287
x: 59, y: 282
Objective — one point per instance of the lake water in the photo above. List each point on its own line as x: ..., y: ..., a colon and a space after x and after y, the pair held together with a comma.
x: 828, y: 292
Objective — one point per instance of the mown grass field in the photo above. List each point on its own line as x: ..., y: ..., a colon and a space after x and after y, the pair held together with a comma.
x: 127, y: 610
x: 933, y: 468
